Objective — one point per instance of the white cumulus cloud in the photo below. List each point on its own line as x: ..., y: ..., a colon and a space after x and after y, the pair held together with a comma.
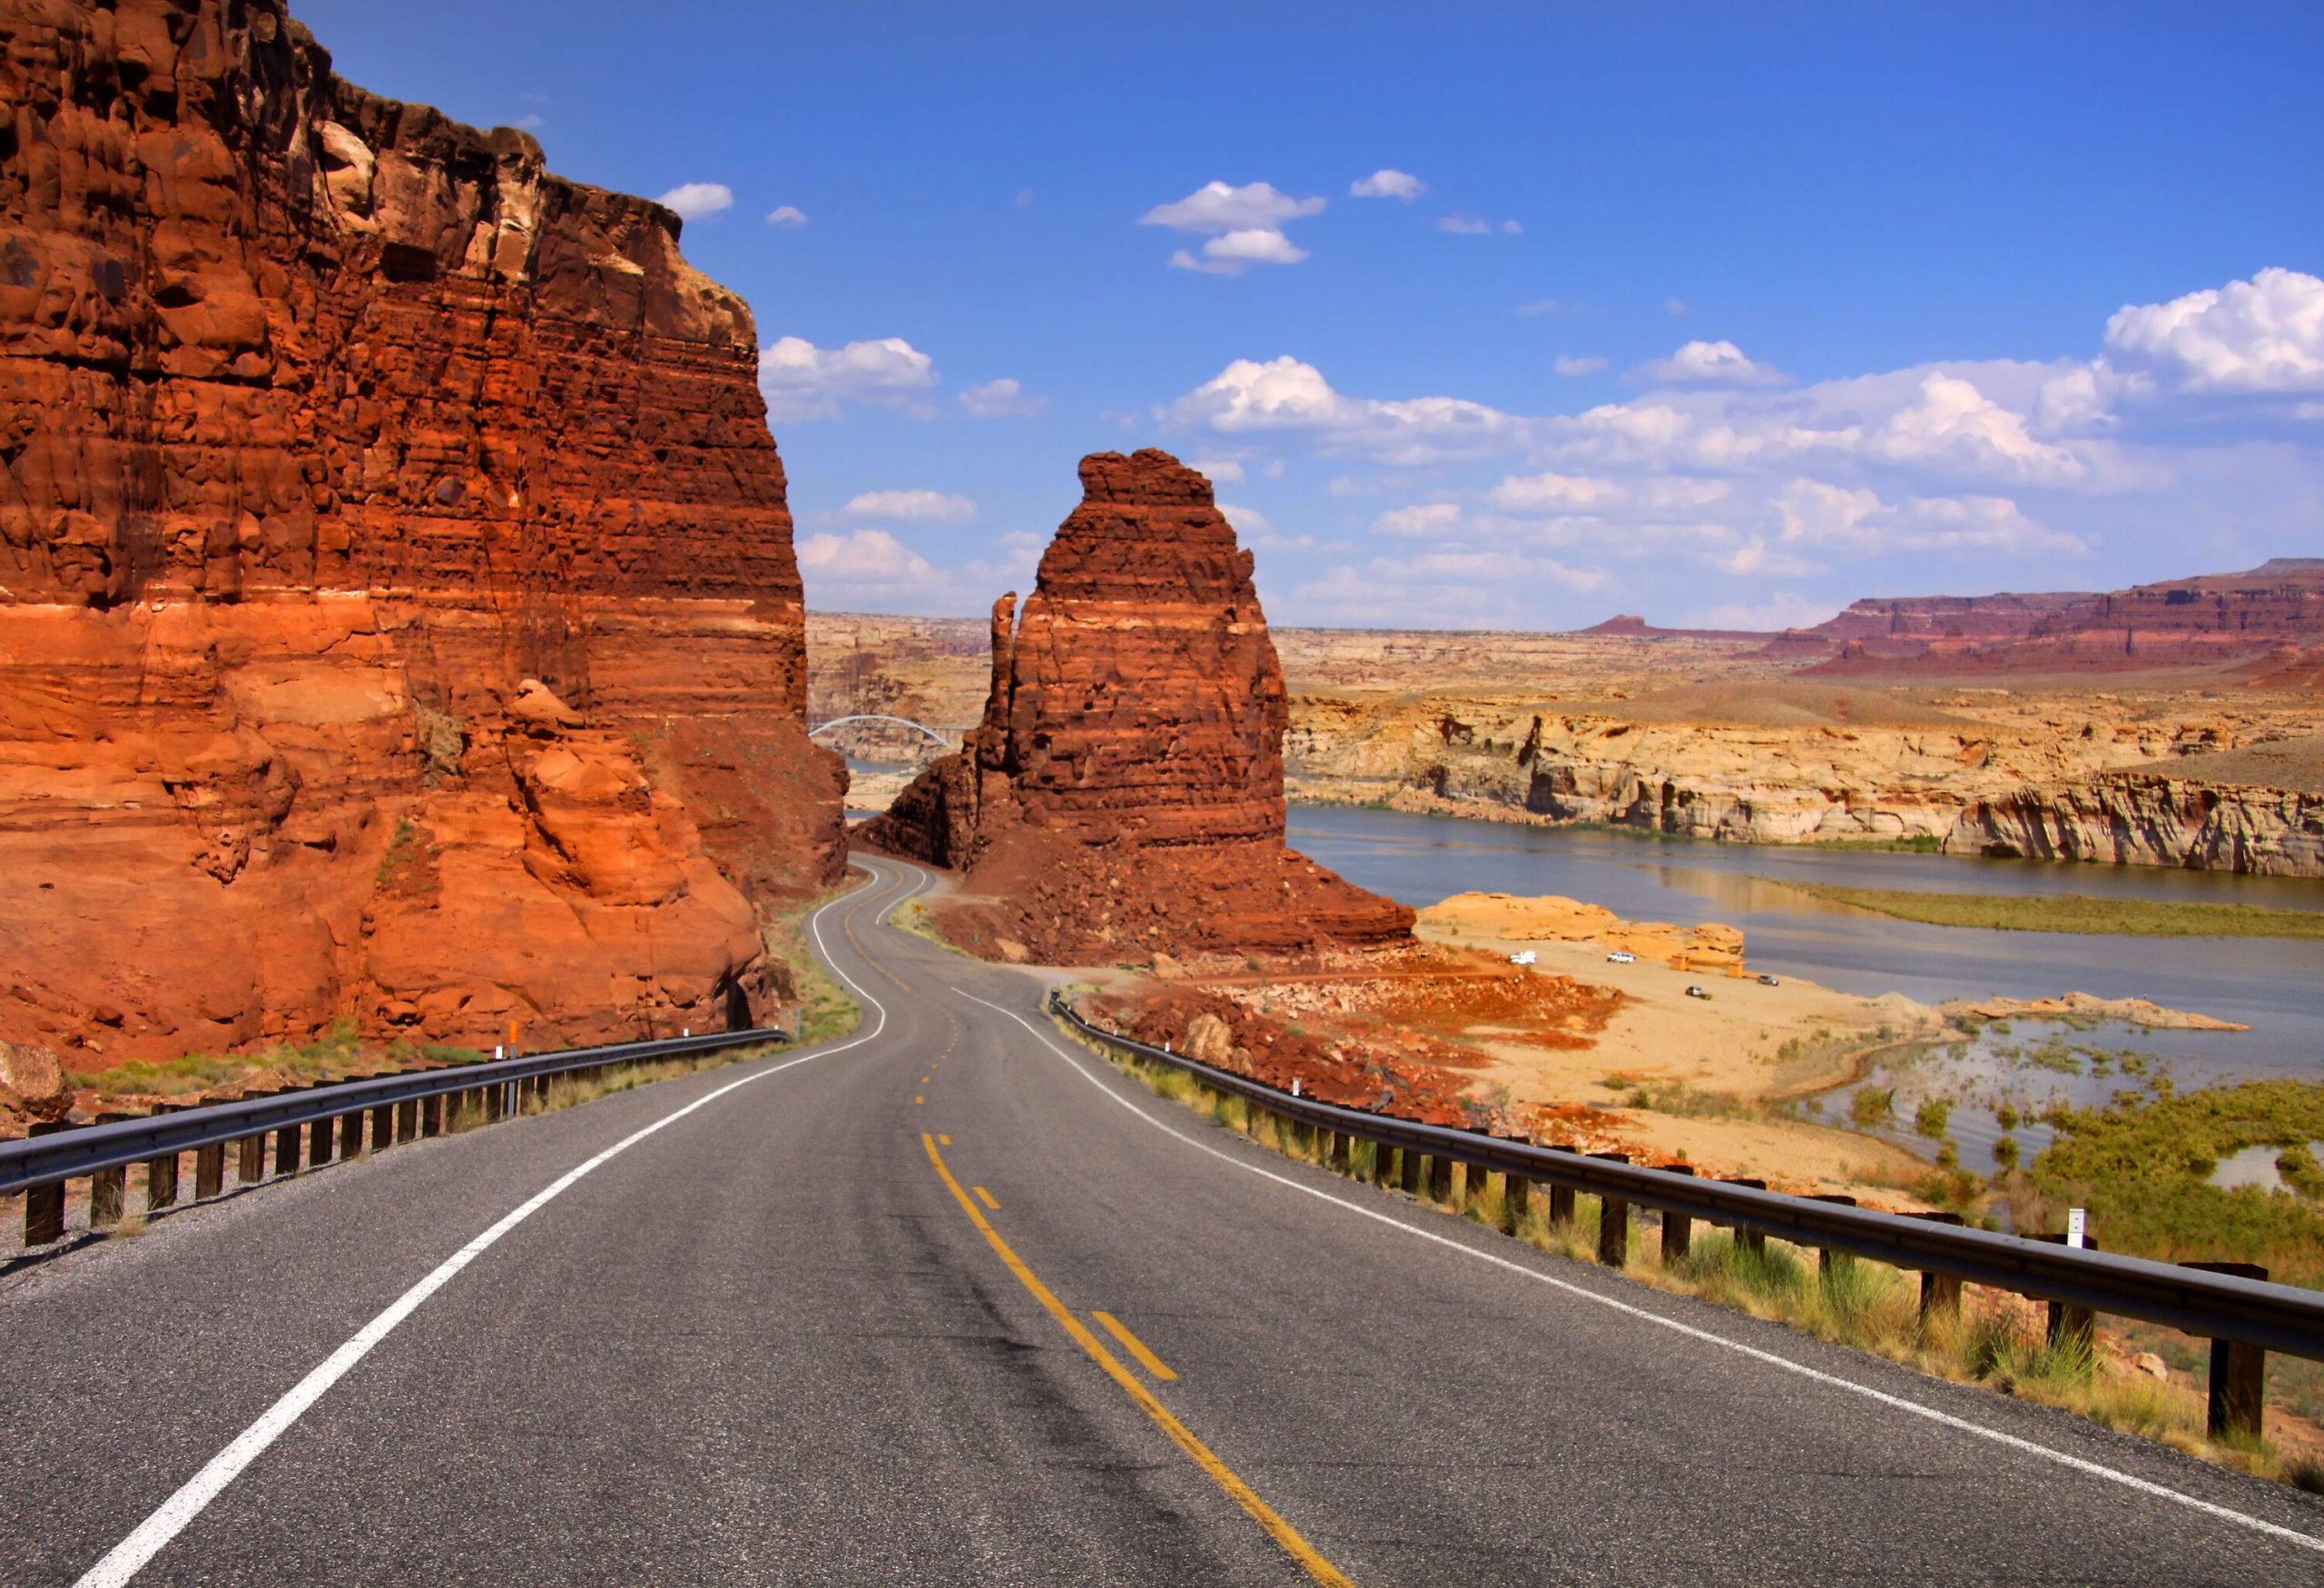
x: 2263, y: 335
x: 1956, y: 423
x: 1420, y: 521
x: 1216, y: 206
x: 1387, y: 184
x: 1550, y: 492
x: 1568, y: 364
x: 1001, y: 400
x: 801, y: 380
x: 1245, y: 225
x: 786, y: 215
x: 1707, y: 364
x: 927, y: 505
x: 1284, y: 394
x: 1219, y: 470
x: 840, y: 571
x: 1227, y: 255
x: 693, y: 200
x: 1855, y: 519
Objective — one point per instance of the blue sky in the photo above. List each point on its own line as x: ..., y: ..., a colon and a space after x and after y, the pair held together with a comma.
x: 1498, y: 316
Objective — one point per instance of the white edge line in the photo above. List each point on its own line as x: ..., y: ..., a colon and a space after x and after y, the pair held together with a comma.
x: 2091, y: 1468
x: 129, y: 1557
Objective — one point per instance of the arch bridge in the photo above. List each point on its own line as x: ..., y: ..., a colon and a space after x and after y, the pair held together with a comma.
x: 942, y: 740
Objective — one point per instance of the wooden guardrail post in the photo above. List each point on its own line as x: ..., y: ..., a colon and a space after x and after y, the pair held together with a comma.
x: 1561, y: 1194
x: 350, y: 1129
x: 1409, y: 1167
x: 492, y: 1098
x: 1940, y: 1293
x: 209, y: 1170
x: 2069, y: 1325
x: 383, y: 1126
x: 407, y: 1119
x: 1343, y: 1150
x: 1384, y: 1164
x: 321, y: 1134
x: 250, y: 1151
x: 108, y: 1187
x: 1751, y: 1240
x: 162, y: 1175
x: 45, y: 1205
x: 2239, y: 1376
x: 287, y: 1139
x: 1440, y: 1178
x: 1678, y: 1228
x: 1830, y: 1264
x: 1516, y: 1191
x: 161, y: 1181
x: 431, y: 1114
x: 1613, y: 1221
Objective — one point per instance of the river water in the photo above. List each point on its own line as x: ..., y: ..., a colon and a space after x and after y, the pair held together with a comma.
x: 2274, y: 985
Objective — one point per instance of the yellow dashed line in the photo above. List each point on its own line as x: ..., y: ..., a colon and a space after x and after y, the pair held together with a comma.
x: 988, y: 1198
x: 1135, y: 1346
x: 1219, y: 1473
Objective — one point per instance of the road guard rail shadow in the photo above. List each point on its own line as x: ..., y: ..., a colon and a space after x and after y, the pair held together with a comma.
x: 314, y: 1121
x: 2229, y: 1303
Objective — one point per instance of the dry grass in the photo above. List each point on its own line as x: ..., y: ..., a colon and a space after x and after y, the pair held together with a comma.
x: 1996, y: 1341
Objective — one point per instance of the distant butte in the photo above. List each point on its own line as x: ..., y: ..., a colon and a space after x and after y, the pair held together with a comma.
x: 1122, y: 793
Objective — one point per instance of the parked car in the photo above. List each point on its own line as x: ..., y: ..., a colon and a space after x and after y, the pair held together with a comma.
x: 1523, y: 957
x: 1768, y: 981
x: 1698, y: 992
x: 1621, y: 957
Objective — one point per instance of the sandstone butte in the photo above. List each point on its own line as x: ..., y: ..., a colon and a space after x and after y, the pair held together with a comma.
x: 1123, y: 794
x: 399, y: 618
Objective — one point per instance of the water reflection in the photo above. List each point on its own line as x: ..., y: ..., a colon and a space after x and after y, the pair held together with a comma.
x: 2276, y: 985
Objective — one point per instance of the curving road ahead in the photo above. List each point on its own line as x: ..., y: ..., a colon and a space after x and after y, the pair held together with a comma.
x: 948, y: 1301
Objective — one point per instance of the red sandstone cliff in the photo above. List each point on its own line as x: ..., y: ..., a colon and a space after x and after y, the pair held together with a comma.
x: 1124, y: 793
x: 326, y: 424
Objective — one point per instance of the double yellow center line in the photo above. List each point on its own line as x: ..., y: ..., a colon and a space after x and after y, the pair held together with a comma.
x: 1219, y: 1473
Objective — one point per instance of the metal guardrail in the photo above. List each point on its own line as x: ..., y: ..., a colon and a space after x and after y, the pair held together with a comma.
x: 2231, y: 1310
x: 49, y: 1159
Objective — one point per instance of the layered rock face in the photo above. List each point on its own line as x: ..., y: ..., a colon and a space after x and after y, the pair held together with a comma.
x: 1909, y: 623
x: 2192, y: 622
x: 1773, y: 763
x: 2147, y: 819
x: 1124, y: 790
x: 398, y: 613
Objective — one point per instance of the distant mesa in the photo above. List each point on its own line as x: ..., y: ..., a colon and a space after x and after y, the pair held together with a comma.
x: 1630, y: 626
x: 1123, y: 794
x: 2273, y: 611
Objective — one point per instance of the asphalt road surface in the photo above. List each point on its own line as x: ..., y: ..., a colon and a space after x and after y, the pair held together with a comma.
x: 948, y: 1301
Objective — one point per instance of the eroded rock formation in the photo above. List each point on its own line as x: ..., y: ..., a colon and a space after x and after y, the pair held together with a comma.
x: 397, y: 612
x: 1122, y: 793
x: 2150, y: 819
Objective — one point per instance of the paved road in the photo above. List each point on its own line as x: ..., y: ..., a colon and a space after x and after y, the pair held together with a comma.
x: 837, y: 1324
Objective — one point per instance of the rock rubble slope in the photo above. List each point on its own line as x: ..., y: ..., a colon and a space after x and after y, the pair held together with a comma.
x: 1122, y: 793
x: 399, y: 618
